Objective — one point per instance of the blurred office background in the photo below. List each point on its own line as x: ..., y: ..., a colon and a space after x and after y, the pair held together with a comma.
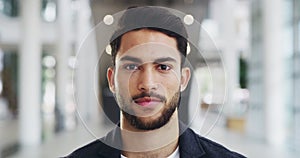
x: 52, y: 95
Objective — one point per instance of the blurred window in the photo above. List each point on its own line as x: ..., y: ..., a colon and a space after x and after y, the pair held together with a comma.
x: 49, y: 11
x: 9, y: 7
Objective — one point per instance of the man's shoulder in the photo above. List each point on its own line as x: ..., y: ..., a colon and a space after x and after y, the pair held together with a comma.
x: 94, y: 149
x: 107, y: 146
x: 214, y: 148
x: 211, y: 148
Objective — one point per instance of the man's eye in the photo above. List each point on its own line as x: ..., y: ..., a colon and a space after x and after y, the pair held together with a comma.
x: 164, y: 67
x: 131, y: 67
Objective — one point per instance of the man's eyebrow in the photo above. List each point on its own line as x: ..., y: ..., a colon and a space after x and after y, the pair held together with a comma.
x: 164, y: 59
x: 130, y: 58
x: 137, y: 60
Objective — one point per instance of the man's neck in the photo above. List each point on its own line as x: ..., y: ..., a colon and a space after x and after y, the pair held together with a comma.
x: 160, y: 142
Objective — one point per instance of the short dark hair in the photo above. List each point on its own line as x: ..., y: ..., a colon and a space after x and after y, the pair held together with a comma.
x: 151, y: 18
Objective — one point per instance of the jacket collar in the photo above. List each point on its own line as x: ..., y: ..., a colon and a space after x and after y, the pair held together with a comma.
x: 112, y: 143
x: 189, y: 145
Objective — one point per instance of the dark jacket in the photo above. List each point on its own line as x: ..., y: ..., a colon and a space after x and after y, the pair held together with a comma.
x: 191, y: 145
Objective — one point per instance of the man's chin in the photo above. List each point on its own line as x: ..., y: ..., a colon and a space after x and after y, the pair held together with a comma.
x: 143, y: 124
x: 151, y: 122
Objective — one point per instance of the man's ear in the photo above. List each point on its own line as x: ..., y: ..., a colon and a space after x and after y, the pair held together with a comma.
x: 185, y: 78
x: 110, y: 78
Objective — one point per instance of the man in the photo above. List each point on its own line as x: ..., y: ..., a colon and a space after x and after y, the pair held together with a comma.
x: 147, y: 78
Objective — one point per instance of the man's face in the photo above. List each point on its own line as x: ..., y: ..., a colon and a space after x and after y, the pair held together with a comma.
x: 147, y: 78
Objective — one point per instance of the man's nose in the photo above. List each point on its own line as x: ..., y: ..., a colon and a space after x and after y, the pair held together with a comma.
x: 147, y: 80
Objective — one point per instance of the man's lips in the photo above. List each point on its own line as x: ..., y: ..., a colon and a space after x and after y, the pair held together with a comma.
x: 146, y: 101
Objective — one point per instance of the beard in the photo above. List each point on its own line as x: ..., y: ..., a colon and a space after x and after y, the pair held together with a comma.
x: 166, y: 113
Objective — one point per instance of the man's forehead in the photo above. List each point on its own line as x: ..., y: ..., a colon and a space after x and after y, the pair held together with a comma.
x: 138, y: 37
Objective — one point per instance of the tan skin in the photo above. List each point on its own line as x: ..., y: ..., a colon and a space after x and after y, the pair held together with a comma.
x: 142, y: 67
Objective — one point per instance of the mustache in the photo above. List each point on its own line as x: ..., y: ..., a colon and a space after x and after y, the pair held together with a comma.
x: 149, y: 94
